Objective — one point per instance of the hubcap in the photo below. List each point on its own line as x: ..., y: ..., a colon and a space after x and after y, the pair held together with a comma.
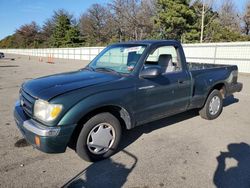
x: 101, y: 138
x: 214, y: 105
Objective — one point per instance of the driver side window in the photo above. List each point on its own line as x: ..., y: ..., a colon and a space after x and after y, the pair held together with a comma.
x: 166, y: 57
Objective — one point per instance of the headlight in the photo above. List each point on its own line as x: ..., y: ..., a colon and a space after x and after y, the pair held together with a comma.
x: 46, y: 111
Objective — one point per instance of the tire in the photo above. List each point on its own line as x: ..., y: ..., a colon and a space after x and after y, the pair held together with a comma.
x: 92, y: 148
x: 210, y: 111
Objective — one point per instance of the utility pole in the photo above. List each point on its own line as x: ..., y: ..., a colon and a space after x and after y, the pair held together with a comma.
x: 202, y: 21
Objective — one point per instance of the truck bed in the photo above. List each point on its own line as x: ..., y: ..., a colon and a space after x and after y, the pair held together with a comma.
x: 201, y: 66
x: 202, y: 72
x: 205, y: 75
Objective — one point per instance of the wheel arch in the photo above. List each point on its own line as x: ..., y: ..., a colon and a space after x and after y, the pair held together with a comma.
x: 221, y: 86
x: 119, y: 112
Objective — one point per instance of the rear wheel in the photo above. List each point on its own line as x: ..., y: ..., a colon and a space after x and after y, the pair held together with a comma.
x: 213, y: 106
x: 99, y: 137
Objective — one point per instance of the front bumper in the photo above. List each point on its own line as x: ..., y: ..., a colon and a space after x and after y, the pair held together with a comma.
x: 52, y: 139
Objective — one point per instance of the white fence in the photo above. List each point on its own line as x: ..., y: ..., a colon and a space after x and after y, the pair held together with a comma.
x: 236, y: 53
x: 81, y: 53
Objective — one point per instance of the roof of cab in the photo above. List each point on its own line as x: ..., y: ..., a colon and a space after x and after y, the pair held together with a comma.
x: 149, y: 42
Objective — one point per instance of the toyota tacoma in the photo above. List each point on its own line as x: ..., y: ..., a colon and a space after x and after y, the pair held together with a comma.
x: 126, y: 85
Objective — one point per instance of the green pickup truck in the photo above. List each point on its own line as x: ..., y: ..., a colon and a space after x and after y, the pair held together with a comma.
x: 126, y: 85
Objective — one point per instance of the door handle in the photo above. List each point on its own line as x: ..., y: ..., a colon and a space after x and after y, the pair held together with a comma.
x: 181, y: 81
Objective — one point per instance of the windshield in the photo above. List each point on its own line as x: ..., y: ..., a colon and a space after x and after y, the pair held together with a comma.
x: 121, y: 59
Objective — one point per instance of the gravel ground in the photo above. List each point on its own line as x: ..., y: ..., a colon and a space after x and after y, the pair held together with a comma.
x: 180, y: 151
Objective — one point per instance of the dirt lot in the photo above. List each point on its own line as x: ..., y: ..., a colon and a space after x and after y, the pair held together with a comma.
x: 181, y: 151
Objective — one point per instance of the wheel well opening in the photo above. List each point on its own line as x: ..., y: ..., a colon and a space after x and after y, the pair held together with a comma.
x: 114, y: 110
x: 221, y: 88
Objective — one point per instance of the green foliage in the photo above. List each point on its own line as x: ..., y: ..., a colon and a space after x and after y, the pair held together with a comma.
x: 62, y: 26
x: 9, y: 42
x: 194, y: 35
x: 174, y: 19
x: 73, y: 37
x: 217, y: 33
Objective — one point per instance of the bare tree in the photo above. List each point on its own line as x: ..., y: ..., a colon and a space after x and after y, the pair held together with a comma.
x: 133, y: 18
x: 246, y: 19
x: 202, y: 8
x: 228, y: 16
x: 28, y: 35
x: 125, y: 15
x: 97, y: 25
x: 145, y: 16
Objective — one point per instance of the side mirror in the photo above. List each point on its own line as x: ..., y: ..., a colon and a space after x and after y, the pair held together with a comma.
x: 150, y: 72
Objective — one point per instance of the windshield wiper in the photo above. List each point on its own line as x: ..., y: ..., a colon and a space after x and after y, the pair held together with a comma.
x: 89, y: 68
x: 106, y: 69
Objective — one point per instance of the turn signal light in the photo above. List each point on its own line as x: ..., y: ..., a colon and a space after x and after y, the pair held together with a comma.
x: 37, y: 140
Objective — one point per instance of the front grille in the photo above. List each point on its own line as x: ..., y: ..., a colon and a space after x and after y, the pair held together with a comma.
x: 27, y: 102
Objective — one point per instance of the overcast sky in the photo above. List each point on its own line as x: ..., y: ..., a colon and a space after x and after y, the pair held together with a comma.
x: 14, y: 13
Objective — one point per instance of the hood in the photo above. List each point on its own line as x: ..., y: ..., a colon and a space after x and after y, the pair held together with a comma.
x: 49, y: 87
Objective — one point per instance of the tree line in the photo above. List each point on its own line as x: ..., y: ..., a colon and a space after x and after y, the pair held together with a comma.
x: 189, y: 21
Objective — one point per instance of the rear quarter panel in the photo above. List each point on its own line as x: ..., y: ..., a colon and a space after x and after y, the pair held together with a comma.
x: 205, y: 79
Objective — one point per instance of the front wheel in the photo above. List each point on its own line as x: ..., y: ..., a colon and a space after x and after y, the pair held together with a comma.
x: 213, y: 106
x: 99, y: 137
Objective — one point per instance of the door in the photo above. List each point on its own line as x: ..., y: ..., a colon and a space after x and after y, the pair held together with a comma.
x: 166, y: 94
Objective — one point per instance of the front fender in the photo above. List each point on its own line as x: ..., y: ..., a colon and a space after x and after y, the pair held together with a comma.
x: 123, y: 99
